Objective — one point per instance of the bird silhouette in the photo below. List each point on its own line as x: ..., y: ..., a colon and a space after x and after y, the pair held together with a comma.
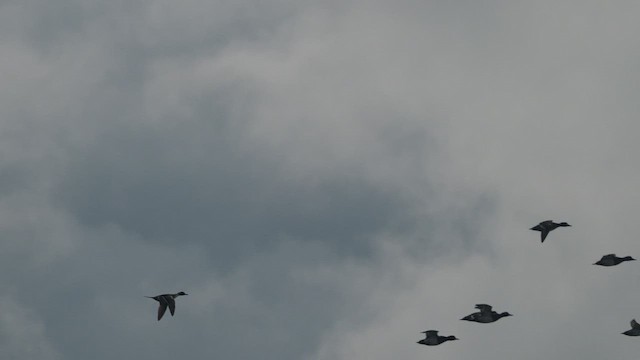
x: 431, y: 338
x: 546, y: 226
x: 166, y: 300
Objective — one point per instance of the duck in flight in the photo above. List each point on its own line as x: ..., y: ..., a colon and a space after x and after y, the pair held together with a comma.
x: 485, y: 315
x: 612, y: 260
x: 166, y: 300
x: 635, y: 329
x: 431, y: 338
x: 546, y: 226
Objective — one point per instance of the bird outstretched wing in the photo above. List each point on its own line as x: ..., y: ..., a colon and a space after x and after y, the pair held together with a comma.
x: 430, y: 333
x: 162, y: 307
x: 172, y: 304
x: 543, y: 235
x: 484, y: 307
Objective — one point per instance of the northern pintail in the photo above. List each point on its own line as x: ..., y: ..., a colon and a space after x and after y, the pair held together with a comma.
x: 546, y: 226
x: 635, y: 329
x: 431, y: 338
x: 485, y: 315
x: 165, y: 300
x: 612, y: 260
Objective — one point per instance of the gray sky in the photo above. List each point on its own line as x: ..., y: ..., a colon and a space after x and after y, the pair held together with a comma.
x: 324, y: 180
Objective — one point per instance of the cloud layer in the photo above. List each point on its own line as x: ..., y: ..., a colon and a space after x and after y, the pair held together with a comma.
x: 324, y: 181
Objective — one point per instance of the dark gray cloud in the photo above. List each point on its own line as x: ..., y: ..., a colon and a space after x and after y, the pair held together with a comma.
x: 195, y: 186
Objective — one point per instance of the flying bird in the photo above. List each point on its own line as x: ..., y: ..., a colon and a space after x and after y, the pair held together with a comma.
x: 635, y: 329
x: 612, y: 260
x: 485, y: 315
x: 431, y: 338
x: 546, y: 226
x: 166, y: 300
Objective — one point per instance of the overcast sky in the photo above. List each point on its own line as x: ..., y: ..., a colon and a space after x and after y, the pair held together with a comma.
x: 324, y: 179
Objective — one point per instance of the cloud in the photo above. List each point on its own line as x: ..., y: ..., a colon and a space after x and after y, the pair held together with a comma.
x: 324, y: 181
x: 23, y: 333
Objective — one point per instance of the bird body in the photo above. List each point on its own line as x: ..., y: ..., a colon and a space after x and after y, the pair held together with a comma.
x: 546, y: 226
x: 431, y: 338
x: 612, y: 260
x: 485, y: 315
x: 485, y: 318
x: 164, y: 301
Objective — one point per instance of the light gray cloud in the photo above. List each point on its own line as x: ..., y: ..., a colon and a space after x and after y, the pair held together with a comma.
x: 23, y: 335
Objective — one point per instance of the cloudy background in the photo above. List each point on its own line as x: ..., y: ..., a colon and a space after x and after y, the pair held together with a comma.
x: 325, y: 180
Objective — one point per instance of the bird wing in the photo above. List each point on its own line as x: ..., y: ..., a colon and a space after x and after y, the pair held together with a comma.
x: 430, y: 333
x: 609, y: 256
x: 172, y: 304
x: 544, y: 228
x: 162, y: 307
x: 634, y: 324
x: 543, y: 234
x: 484, y: 307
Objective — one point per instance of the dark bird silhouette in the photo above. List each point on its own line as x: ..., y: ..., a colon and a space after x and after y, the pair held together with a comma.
x: 546, y: 226
x: 635, y: 329
x: 166, y: 300
x: 485, y: 315
x: 612, y: 260
x: 431, y: 338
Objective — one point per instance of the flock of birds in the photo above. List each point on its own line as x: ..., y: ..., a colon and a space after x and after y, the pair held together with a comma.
x: 487, y: 315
